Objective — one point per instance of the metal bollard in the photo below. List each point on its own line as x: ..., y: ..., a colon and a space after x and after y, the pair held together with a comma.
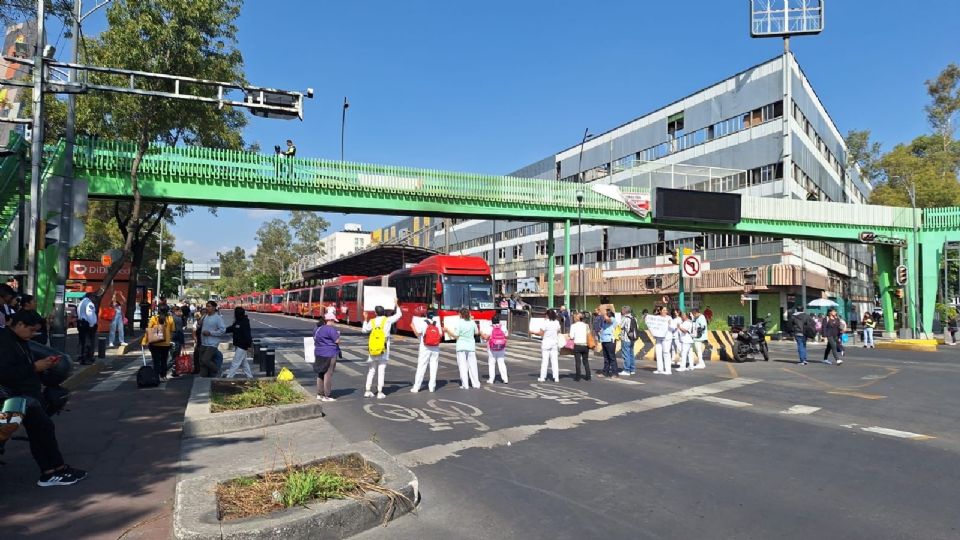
x: 101, y: 347
x: 269, y: 361
x: 257, y: 347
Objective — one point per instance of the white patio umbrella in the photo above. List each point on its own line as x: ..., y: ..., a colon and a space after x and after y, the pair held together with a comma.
x: 822, y: 302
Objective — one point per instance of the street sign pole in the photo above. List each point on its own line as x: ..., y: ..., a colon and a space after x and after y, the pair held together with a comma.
x: 681, y: 301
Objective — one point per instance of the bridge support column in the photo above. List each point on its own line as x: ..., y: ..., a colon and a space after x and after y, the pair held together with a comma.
x: 931, y: 249
x: 551, y: 265
x: 884, y: 272
x: 566, y: 264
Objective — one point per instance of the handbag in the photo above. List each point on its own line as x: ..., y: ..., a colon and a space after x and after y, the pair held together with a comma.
x: 591, y: 341
x: 155, y: 334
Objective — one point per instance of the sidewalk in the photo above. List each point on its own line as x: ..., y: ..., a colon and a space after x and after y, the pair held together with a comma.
x: 127, y: 439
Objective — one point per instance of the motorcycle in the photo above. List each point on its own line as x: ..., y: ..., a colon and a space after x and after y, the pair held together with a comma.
x: 749, y: 342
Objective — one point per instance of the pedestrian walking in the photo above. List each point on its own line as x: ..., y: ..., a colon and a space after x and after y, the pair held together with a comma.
x: 496, y: 349
x: 581, y: 336
x: 608, y: 344
x: 326, y: 349
x: 868, y: 327
x: 378, y: 347
x: 208, y: 358
x: 159, y: 339
x: 685, y: 334
x: 952, y: 326
x: 465, y: 331
x: 802, y: 326
x: 242, y: 343
x: 550, y: 346
x: 629, y: 333
x: 428, y: 332
x: 699, y: 337
x: 87, y: 328
x: 658, y: 323
x: 115, y: 337
x: 830, y: 329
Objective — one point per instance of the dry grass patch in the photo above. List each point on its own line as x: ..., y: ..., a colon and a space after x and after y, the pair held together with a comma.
x: 341, y: 477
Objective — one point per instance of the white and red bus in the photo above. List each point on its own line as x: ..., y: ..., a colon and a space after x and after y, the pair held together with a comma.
x: 293, y: 299
x: 442, y: 282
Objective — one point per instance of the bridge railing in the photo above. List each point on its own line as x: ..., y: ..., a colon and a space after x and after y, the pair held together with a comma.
x: 942, y: 218
x: 198, y: 165
x: 777, y: 209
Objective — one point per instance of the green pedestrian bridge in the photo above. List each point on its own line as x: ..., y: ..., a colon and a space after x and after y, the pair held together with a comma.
x: 226, y: 178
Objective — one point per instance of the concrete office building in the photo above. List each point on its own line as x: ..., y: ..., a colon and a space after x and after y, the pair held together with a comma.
x: 757, y: 133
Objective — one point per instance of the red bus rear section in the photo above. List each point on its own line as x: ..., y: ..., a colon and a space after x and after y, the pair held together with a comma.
x: 273, y: 301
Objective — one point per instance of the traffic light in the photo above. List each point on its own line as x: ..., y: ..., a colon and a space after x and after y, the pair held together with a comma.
x: 901, y: 275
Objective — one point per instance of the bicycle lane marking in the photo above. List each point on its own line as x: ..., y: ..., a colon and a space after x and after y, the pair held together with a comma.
x: 502, y: 437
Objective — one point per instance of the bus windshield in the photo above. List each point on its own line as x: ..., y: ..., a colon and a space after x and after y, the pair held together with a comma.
x: 277, y: 298
x: 473, y: 292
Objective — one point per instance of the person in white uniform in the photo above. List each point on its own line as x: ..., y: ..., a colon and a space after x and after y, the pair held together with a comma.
x: 429, y: 354
x: 658, y: 323
x: 699, y: 337
x: 496, y: 349
x: 674, y: 344
x: 685, y: 331
x: 465, y: 332
x: 550, y: 346
x: 378, y: 363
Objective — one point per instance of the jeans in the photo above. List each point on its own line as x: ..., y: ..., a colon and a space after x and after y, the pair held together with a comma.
x: 626, y: 349
x: 42, y: 435
x: 581, y: 353
x: 802, y: 348
x: 116, y: 331
x: 831, y: 348
x: 868, y: 337
x: 240, y: 361
x: 609, y: 358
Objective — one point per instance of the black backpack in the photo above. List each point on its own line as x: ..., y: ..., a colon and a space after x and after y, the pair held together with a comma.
x: 809, y: 327
x: 632, y: 328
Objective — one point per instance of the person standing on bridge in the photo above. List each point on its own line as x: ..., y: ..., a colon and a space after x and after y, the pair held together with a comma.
x: 428, y: 332
x: 465, y: 331
x: 550, y: 346
x: 378, y: 347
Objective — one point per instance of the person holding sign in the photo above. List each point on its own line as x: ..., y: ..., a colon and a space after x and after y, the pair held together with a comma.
x: 658, y: 323
x: 465, y: 332
x: 550, y: 346
x: 496, y: 349
x: 428, y: 332
x: 378, y: 347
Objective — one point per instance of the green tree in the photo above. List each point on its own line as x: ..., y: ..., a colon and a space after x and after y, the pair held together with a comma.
x: 922, y: 165
x: 274, y: 253
x: 944, y: 93
x: 307, y: 227
x: 864, y: 154
x: 194, y: 38
x: 101, y: 232
x: 235, y: 277
x: 19, y: 10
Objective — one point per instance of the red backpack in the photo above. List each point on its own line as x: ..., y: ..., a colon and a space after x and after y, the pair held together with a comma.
x: 431, y: 337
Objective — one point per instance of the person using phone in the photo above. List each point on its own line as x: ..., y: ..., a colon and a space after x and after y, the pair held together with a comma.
x: 20, y: 377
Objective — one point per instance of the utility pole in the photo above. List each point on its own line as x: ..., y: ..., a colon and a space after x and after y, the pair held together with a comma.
x: 36, y: 153
x: 160, y: 258
x: 343, y: 124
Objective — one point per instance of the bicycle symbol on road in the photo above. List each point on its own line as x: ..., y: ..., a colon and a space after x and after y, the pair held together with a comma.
x: 560, y: 394
x: 439, y: 414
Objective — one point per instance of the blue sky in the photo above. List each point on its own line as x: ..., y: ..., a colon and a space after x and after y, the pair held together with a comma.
x: 492, y: 86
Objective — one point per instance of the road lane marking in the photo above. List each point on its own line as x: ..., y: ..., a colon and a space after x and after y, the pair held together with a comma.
x: 507, y: 436
x: 725, y: 402
x: 801, y: 409
x: 897, y: 433
x: 118, y: 377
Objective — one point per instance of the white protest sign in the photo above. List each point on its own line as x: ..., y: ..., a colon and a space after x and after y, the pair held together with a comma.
x: 379, y: 296
x: 486, y: 327
x: 657, y: 325
x: 536, y: 324
x: 308, y: 350
x: 450, y: 322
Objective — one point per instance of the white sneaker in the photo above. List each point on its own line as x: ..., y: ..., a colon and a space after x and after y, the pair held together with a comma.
x: 682, y: 369
x: 368, y: 394
x: 464, y: 387
x: 320, y: 398
x: 431, y: 390
x: 328, y: 399
x: 700, y: 366
x: 657, y: 372
x: 381, y: 395
x: 625, y: 373
x: 414, y: 390
x: 541, y: 380
x: 489, y: 381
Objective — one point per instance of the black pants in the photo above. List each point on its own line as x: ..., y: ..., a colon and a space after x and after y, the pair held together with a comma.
x: 160, y: 355
x: 205, y: 361
x: 609, y: 358
x: 831, y: 348
x: 42, y: 435
x: 580, y: 355
x: 87, y: 335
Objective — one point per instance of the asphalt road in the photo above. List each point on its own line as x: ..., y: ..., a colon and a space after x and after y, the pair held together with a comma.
x: 759, y: 450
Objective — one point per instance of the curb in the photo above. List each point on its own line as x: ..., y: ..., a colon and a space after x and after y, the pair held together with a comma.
x: 198, y: 421
x: 196, y: 517
x: 918, y: 345
x: 80, y: 377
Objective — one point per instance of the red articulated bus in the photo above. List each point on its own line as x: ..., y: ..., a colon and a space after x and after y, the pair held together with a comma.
x: 342, y: 293
x: 293, y: 300
x: 444, y: 282
x: 272, y: 302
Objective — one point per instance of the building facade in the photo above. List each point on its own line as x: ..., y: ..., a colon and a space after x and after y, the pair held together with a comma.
x: 761, y: 132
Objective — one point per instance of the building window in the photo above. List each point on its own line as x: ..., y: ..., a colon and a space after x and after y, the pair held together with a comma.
x: 518, y: 252
x: 541, y: 248
x: 675, y: 125
x: 501, y: 254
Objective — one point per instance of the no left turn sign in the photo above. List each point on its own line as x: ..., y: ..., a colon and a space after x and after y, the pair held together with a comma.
x: 691, y: 266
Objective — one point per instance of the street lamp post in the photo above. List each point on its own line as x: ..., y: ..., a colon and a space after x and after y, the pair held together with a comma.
x: 160, y: 259
x: 580, y: 195
x: 343, y: 124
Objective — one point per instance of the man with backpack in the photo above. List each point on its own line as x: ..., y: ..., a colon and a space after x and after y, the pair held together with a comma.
x: 378, y: 347
x: 629, y: 333
x: 803, y: 328
x: 430, y: 335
